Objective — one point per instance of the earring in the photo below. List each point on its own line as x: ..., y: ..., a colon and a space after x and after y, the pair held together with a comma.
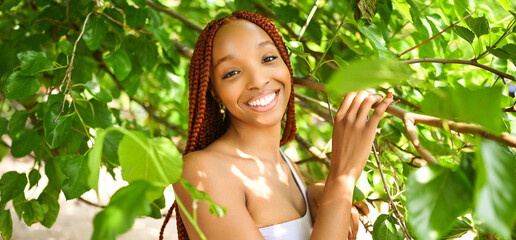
x: 222, y: 109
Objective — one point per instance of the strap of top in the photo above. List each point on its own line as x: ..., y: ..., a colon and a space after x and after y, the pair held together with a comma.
x: 300, y: 183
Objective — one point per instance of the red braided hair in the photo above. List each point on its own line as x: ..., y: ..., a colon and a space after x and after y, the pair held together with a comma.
x: 206, y: 124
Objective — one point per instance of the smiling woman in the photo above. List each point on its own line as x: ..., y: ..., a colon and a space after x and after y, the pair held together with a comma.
x: 240, y: 65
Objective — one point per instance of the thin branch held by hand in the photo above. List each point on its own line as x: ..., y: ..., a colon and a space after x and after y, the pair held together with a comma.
x: 436, y: 35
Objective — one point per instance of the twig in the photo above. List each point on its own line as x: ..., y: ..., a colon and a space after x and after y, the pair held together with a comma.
x: 313, y: 159
x: 90, y: 203
x: 414, y: 139
x: 174, y: 15
x: 436, y: 35
x: 68, y: 74
x: 314, y: 8
x: 121, y: 24
x: 391, y: 203
x: 459, y: 61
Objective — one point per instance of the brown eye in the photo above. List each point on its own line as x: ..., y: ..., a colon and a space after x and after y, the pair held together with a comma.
x: 230, y: 74
x: 269, y: 59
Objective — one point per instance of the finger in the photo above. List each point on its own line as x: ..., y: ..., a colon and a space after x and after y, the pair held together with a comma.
x: 353, y: 108
x: 344, y: 106
x: 380, y: 110
x: 354, y: 221
x: 366, y: 106
x: 362, y: 206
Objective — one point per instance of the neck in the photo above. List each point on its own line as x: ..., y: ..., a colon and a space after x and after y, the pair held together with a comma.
x: 257, y: 141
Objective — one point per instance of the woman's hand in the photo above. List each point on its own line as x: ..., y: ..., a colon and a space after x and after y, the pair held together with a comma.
x: 353, y: 133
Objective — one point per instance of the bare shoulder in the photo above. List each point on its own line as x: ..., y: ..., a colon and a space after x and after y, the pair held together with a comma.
x: 208, y: 171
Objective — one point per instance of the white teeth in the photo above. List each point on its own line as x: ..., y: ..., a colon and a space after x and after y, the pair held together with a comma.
x: 263, y: 101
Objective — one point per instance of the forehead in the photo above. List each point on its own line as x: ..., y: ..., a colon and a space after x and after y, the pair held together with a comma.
x: 237, y: 36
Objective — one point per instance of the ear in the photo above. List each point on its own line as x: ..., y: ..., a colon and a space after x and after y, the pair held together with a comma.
x: 214, y: 95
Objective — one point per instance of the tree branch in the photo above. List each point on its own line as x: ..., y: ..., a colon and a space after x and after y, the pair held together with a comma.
x: 436, y: 35
x: 459, y: 61
x: 504, y: 137
x: 174, y: 15
x: 391, y: 203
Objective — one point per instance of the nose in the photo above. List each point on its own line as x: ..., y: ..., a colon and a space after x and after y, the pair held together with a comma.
x: 257, y: 79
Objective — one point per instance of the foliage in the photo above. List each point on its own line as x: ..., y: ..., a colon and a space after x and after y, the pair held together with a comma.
x: 86, y: 85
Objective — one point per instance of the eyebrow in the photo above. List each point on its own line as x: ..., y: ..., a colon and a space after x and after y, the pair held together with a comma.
x: 230, y: 57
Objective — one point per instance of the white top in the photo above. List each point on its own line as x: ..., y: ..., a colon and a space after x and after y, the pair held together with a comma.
x: 297, y: 229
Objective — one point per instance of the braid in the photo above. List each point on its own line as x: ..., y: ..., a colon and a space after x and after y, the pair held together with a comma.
x: 205, y: 123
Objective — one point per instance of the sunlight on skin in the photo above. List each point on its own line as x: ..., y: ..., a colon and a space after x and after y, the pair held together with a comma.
x: 259, y: 186
x: 261, y: 167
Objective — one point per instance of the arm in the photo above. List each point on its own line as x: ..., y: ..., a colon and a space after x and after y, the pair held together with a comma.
x: 204, y: 174
x: 353, y: 135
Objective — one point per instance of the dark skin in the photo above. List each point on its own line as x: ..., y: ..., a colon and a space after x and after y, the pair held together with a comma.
x: 244, y: 170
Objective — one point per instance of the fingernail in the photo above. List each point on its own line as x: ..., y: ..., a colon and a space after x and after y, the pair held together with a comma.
x: 389, y: 95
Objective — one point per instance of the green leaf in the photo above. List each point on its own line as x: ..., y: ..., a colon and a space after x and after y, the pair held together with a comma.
x: 56, y: 129
x: 358, y: 195
x: 33, y: 212
x: 8, y: 4
x: 110, y: 149
x: 12, y: 185
x: 436, y: 196
x: 65, y: 47
x: 75, y: 168
x: 403, y: 7
x: 297, y: 48
x: 98, y: 91
x: 24, y: 143
x: 464, y: 33
x: 3, y: 125
x: 18, y: 86
x: 466, y: 105
x: 119, y: 62
x: 480, y: 25
x: 372, y: 32
x: 17, y: 123
x: 94, y: 160
x: 51, y: 201
x: 146, y: 54
x: 94, y: 32
x: 162, y: 35
x: 495, y: 188
x: 505, y: 4
x: 33, y: 62
x: 6, y: 224
x: 149, y: 159
x: 197, y: 195
x: 103, y: 117
x: 34, y: 177
x: 54, y: 174
x: 359, y: 75
x: 460, y: 228
x: 3, y: 152
x: 126, y: 204
x: 384, y: 228
x: 355, y: 47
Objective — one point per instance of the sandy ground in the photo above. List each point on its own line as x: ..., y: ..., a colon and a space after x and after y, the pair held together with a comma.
x: 75, y: 220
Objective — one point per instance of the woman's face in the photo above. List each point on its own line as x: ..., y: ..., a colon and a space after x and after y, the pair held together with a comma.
x: 248, y: 75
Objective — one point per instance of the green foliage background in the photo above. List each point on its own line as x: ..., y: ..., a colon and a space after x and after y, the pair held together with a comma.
x: 123, y: 104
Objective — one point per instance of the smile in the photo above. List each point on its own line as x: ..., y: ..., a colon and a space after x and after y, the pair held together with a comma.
x: 265, y: 102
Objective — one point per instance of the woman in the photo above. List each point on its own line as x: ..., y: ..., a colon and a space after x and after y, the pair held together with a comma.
x: 241, y: 87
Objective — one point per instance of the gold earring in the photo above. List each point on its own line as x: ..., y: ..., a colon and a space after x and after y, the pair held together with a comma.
x: 222, y: 109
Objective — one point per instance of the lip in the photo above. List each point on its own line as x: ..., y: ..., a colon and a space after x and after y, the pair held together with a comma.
x: 267, y: 107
